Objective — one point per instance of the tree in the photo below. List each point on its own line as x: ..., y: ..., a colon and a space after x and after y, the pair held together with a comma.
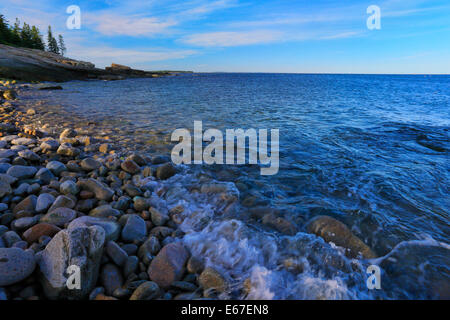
x: 15, y: 34
x: 36, y: 38
x: 26, y: 36
x: 5, y: 33
x: 62, y: 46
x: 52, y: 44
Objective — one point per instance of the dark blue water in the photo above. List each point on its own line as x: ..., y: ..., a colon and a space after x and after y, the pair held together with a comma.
x: 369, y: 150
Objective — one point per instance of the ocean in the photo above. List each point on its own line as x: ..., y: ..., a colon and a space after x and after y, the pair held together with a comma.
x: 371, y: 151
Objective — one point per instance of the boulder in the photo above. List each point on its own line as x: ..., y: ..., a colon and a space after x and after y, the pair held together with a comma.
x: 15, y: 265
x: 169, y: 265
x: 332, y: 230
x: 81, y: 247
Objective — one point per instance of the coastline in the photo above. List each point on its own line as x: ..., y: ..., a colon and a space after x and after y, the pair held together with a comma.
x: 68, y: 189
x: 57, y: 182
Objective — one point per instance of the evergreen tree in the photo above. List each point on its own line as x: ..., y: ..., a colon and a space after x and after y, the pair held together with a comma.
x: 52, y: 44
x: 36, y: 38
x: 5, y: 32
x: 15, y: 34
x: 61, y: 45
x: 26, y: 36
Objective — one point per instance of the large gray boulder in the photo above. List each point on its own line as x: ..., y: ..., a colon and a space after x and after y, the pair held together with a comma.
x: 82, y: 247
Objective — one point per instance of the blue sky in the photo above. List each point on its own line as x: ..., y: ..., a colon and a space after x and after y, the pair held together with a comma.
x: 310, y: 36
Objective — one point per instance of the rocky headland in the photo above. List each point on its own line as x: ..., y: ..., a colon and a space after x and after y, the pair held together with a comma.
x: 37, y: 65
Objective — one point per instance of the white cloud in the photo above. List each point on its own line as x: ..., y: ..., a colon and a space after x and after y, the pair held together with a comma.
x: 102, y: 56
x: 232, y: 38
x: 114, y: 25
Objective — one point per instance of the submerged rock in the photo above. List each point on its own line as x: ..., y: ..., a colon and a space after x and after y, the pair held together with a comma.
x: 332, y: 230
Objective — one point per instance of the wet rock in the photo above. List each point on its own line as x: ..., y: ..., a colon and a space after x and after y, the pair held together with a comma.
x: 56, y: 167
x: 158, y: 218
x: 68, y: 133
x: 82, y: 247
x: 49, y: 145
x: 42, y: 229
x: 21, y: 172
x: 23, y: 141
x: 165, y: 171
x: 10, y: 238
x: 90, y: 164
x: 146, y: 291
x: 67, y: 150
x: 104, y: 212
x: 111, y: 278
x: 332, y: 230
x: 7, y: 153
x: 212, y: 279
x: 10, y: 94
x: 135, y: 229
x: 29, y: 155
x: 104, y: 148
x: 195, y: 265
x: 62, y: 202
x: 86, y: 205
x: 15, y: 265
x: 69, y: 187
x: 184, y: 286
x: 150, y: 246
x: 7, y: 178
x: 116, y: 253
x: 169, y: 265
x: 101, y: 191
x: 111, y: 228
x: 44, y: 201
x: 130, y: 266
x: 28, y: 205
x: 59, y: 216
x: 141, y: 204
x: 23, y: 223
x: 130, y: 166
x: 45, y: 175
x: 280, y: 224
x: 5, y: 189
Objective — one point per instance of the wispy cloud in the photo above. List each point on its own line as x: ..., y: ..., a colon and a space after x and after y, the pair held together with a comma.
x: 104, y: 55
x: 115, y: 25
x: 231, y: 38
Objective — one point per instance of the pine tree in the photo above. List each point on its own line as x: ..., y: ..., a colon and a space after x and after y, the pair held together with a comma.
x: 26, y: 36
x: 5, y: 32
x: 62, y: 46
x: 15, y: 34
x: 52, y: 44
x: 36, y: 37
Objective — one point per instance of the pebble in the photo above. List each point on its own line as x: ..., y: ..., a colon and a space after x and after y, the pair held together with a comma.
x: 116, y: 253
x: 21, y: 172
x: 146, y: 291
x: 59, y: 216
x: 169, y: 265
x: 15, y: 265
x: 135, y: 229
x: 69, y: 187
x: 56, y: 167
x: 44, y: 201
x: 42, y: 229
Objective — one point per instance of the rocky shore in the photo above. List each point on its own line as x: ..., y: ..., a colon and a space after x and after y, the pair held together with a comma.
x: 37, y: 65
x: 65, y: 202
x: 73, y: 200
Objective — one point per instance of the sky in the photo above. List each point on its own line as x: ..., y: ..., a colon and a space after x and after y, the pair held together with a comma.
x: 292, y: 36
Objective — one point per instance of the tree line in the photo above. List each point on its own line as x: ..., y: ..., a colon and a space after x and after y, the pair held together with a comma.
x: 27, y: 36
